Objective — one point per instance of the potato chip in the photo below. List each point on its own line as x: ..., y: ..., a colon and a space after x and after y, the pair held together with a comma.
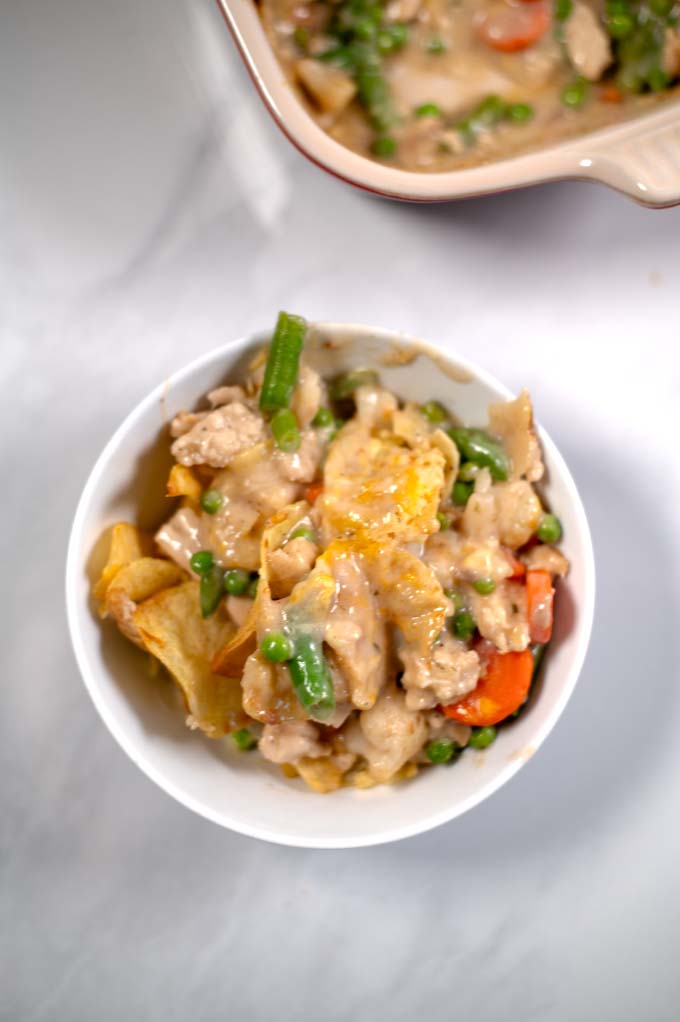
x: 172, y: 628
x: 183, y: 483
x: 321, y: 775
x: 128, y: 543
x: 134, y: 583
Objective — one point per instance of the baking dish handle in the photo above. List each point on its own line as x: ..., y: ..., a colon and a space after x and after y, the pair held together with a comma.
x: 644, y: 165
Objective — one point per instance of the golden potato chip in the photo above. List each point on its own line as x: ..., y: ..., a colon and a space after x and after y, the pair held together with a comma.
x: 128, y: 543
x: 183, y: 483
x: 172, y: 628
x: 134, y: 583
x: 321, y: 775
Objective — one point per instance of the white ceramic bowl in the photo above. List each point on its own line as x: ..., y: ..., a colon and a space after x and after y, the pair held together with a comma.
x: 243, y: 792
x: 639, y: 157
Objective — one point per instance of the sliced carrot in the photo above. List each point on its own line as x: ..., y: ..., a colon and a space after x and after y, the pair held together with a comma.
x: 500, y: 691
x: 314, y: 491
x: 509, y: 29
x: 540, y: 595
x: 610, y: 94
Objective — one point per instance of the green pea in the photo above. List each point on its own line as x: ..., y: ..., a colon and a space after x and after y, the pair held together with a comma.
x: 463, y: 625
x: 211, y: 501
x: 236, y: 581
x: 657, y: 79
x: 251, y: 591
x: 435, y: 45
x: 489, y: 112
x: 303, y: 532
x: 365, y: 29
x: 482, y: 737
x: 433, y: 412
x: 276, y: 647
x: 520, y: 112
x: 427, y: 110
x: 441, y: 751
x: 563, y: 9
x: 576, y: 93
x: 549, y: 529
x: 324, y: 417
x: 210, y: 590
x: 484, y: 586
x: 384, y: 146
x: 461, y: 493
x: 201, y: 561
x: 468, y: 472
x: 443, y: 521
x: 243, y: 739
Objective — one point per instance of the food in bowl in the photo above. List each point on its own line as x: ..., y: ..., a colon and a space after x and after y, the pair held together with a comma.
x: 432, y: 85
x: 357, y: 585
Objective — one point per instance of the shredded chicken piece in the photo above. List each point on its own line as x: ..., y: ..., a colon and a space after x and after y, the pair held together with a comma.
x: 330, y: 87
x: 448, y: 672
x: 218, y: 437
x: 301, y: 466
x: 375, y: 406
x: 289, y: 564
x: 519, y: 512
x: 513, y: 422
x: 267, y: 692
x: 587, y: 43
x: 184, y: 422
x: 291, y: 741
x: 387, y: 735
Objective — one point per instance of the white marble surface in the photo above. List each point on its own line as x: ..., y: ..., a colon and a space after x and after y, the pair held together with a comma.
x: 148, y: 211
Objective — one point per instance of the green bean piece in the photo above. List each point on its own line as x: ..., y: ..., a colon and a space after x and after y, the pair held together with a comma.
x: 576, y: 93
x: 428, y: 110
x: 456, y: 598
x: 490, y: 111
x: 461, y: 493
x: 662, y: 8
x: 484, y: 586
x: 482, y: 737
x: 310, y: 676
x: 657, y: 79
x: 244, y: 740
x: 344, y: 386
x: 442, y: 751
x: 373, y: 90
x: 340, y: 55
x: 236, y: 581
x: 463, y: 625
x: 620, y: 25
x: 563, y: 9
x: 384, y: 146
x: 211, y: 590
x: 201, y: 561
x: 285, y: 430
x: 476, y: 445
x: 303, y: 532
x: 276, y: 647
x: 251, y: 591
x: 323, y: 418
x: 283, y: 362
x: 468, y: 472
x: 520, y: 113
x: 211, y: 501
x: 443, y: 521
x: 549, y: 529
x: 391, y: 38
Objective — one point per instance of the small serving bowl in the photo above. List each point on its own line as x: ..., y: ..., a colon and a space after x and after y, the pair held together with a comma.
x: 639, y: 157
x: 241, y: 790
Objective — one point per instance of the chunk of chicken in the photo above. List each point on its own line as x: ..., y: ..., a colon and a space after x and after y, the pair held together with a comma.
x: 331, y: 88
x: 513, y: 422
x: 518, y: 511
x: 301, y: 466
x: 218, y: 437
x: 374, y: 406
x: 289, y: 564
x: 388, y: 735
x: 587, y: 43
x: 501, y: 616
x: 226, y: 395
x: 291, y: 741
x: 447, y: 673
x: 267, y: 691
x: 546, y: 558
x: 181, y: 536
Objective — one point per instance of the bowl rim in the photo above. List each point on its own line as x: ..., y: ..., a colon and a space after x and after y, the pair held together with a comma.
x: 74, y: 582
x: 638, y: 157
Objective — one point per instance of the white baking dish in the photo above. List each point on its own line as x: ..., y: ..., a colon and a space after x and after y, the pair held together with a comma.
x: 639, y: 157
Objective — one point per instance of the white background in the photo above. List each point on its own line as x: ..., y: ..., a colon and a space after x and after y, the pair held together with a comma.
x: 149, y: 210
